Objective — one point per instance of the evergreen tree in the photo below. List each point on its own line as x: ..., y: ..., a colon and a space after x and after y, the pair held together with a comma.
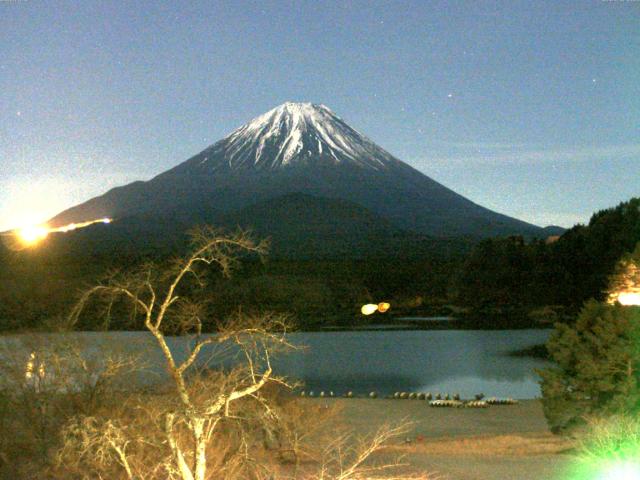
x: 598, y: 362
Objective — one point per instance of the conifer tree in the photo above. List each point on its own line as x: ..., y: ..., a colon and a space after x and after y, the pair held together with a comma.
x: 598, y: 358
x: 597, y: 368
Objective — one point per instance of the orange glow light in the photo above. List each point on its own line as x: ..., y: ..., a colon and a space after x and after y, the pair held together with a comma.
x: 629, y: 298
x: 32, y: 234
x: 383, y: 307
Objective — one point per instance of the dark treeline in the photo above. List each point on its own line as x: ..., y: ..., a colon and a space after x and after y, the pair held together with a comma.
x: 547, y: 279
x: 507, y: 282
x: 38, y: 291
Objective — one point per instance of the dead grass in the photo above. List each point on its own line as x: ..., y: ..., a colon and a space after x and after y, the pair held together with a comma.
x: 488, y: 445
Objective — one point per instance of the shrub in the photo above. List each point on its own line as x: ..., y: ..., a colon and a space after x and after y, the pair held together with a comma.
x: 608, y: 448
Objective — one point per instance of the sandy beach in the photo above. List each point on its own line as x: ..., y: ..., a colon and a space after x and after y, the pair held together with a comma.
x: 500, y: 442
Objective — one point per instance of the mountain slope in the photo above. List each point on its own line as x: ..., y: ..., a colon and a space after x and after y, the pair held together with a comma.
x: 301, y: 225
x: 301, y: 148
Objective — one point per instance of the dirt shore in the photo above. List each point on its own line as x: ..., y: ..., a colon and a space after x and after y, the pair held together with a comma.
x: 500, y: 442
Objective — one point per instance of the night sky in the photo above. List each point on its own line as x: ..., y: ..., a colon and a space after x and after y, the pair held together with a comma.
x: 529, y: 108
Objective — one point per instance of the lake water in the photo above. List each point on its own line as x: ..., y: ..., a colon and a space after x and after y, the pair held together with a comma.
x: 441, y: 361
x: 445, y: 361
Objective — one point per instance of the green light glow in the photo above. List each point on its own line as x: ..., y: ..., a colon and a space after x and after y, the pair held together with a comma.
x: 620, y: 471
x: 608, y: 450
x: 604, y: 470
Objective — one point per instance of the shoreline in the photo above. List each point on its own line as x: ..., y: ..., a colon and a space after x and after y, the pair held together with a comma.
x: 499, y: 442
x: 400, y: 325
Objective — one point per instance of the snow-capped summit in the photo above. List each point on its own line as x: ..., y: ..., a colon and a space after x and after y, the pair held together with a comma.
x: 291, y: 134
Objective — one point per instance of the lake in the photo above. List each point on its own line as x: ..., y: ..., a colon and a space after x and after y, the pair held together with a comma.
x: 445, y: 361
x: 436, y: 361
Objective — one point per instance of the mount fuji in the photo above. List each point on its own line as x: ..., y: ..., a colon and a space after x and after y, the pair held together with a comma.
x: 305, y: 154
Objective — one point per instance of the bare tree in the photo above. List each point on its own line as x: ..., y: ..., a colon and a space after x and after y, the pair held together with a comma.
x: 162, y: 300
x: 349, y: 458
x: 46, y: 380
x: 209, y: 421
